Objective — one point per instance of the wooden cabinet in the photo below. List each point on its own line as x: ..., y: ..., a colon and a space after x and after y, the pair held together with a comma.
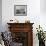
x: 22, y: 33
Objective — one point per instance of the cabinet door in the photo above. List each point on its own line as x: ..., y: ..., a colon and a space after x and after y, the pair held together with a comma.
x: 20, y: 37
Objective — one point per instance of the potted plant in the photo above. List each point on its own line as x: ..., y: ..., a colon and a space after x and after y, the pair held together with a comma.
x: 41, y: 36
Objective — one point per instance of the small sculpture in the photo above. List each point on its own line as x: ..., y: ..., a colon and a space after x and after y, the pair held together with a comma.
x: 27, y: 21
x: 14, y: 21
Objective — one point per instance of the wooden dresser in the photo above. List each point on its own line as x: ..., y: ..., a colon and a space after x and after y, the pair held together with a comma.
x: 22, y: 33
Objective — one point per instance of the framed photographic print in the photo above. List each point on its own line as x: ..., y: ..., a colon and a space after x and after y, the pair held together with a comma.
x: 20, y: 10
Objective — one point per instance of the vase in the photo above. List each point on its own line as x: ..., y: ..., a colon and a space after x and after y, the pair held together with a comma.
x: 41, y: 43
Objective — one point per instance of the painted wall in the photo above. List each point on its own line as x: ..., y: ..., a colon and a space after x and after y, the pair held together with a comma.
x: 33, y: 14
x: 43, y: 6
x: 33, y: 10
x: 0, y: 15
x: 43, y: 14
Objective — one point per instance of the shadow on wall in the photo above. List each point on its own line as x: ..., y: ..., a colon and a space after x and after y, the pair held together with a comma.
x: 0, y: 15
x: 43, y: 6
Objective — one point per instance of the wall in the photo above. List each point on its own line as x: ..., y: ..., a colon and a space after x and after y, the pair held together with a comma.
x: 43, y: 6
x: 43, y: 14
x: 34, y: 14
x: 0, y: 15
x: 33, y: 10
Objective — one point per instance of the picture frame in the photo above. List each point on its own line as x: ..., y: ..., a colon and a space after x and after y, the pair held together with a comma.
x: 20, y: 10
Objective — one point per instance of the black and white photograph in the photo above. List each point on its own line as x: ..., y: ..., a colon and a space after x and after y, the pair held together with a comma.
x: 20, y: 10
